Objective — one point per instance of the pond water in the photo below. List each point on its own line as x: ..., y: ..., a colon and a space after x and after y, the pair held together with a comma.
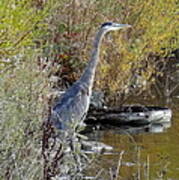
x: 146, y: 155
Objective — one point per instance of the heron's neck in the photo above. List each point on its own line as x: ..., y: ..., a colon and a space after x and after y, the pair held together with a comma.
x: 89, y: 73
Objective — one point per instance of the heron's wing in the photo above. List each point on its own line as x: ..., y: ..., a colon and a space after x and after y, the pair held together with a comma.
x: 70, y: 95
x: 73, y: 105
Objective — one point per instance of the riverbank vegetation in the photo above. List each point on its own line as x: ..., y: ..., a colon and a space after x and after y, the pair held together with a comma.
x: 44, y: 47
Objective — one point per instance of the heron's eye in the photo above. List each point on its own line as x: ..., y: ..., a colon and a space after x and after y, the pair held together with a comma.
x: 106, y: 24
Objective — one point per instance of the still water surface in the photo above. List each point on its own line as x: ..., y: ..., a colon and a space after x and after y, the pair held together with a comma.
x: 146, y: 155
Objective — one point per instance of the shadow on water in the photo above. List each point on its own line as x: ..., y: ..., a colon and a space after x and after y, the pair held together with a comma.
x: 150, y: 152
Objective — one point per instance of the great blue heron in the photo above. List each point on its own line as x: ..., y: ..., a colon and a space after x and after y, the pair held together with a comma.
x: 74, y: 104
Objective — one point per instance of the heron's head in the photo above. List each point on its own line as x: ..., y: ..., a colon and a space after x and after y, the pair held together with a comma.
x: 110, y: 26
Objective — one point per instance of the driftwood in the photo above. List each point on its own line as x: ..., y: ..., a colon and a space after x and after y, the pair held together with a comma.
x: 129, y: 115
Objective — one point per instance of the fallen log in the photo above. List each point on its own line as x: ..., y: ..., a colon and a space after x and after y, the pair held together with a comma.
x: 134, y: 115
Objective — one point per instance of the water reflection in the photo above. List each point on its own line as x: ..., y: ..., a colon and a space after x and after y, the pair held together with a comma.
x: 150, y: 152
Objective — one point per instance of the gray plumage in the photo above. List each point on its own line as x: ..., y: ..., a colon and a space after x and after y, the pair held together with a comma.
x: 74, y: 104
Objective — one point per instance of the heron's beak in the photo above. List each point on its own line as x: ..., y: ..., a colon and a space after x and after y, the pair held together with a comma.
x: 122, y: 26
